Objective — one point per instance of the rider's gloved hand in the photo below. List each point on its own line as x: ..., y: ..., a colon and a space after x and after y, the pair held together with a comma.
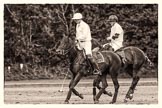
x: 76, y: 41
x: 104, y: 45
x: 115, y: 36
x: 108, y: 39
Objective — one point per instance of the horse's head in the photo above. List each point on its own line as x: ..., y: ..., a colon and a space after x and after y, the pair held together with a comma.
x: 64, y: 46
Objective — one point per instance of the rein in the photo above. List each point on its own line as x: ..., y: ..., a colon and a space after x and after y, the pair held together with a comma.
x: 65, y: 52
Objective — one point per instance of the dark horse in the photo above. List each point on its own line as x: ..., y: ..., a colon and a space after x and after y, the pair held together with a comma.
x: 136, y: 59
x: 112, y: 66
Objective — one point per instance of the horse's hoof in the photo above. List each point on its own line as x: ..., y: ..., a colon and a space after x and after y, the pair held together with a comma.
x: 111, y: 102
x: 94, y: 99
x: 110, y: 94
x: 81, y: 96
x: 66, y: 102
x: 130, y: 96
x: 96, y: 102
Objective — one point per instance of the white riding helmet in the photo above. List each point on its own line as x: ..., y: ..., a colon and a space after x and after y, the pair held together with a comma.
x: 113, y: 18
x: 77, y: 16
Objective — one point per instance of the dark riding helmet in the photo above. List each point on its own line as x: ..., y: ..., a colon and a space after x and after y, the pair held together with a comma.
x: 113, y: 18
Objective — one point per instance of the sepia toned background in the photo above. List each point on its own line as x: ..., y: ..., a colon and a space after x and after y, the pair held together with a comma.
x: 32, y: 71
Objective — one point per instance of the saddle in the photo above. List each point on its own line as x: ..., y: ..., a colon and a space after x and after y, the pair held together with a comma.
x: 98, y: 56
x: 120, y: 52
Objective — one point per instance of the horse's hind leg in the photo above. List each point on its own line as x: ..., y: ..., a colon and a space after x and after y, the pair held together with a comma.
x: 135, y: 80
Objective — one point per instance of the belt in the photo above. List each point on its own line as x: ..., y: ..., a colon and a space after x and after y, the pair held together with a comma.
x: 82, y: 41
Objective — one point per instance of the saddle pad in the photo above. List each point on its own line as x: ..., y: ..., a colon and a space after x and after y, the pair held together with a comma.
x: 98, y: 57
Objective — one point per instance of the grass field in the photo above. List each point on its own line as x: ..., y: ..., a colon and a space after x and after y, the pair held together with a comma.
x: 46, y: 92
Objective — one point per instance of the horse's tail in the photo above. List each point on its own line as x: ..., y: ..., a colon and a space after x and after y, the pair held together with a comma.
x: 148, y: 61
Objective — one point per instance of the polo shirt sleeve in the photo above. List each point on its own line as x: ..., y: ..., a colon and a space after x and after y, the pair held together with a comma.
x: 87, y: 32
x: 118, y: 29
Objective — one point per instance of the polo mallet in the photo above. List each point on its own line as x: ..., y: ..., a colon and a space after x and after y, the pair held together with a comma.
x: 61, y: 89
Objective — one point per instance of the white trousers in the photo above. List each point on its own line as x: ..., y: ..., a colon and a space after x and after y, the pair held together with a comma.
x: 86, y: 45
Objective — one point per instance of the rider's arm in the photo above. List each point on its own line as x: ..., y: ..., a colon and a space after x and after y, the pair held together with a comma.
x: 87, y: 33
x: 84, y: 33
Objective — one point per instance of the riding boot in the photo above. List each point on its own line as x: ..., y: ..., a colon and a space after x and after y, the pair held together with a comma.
x: 123, y: 57
x: 122, y: 54
x: 95, y: 66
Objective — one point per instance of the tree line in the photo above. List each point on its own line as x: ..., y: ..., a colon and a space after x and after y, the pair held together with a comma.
x: 32, y: 32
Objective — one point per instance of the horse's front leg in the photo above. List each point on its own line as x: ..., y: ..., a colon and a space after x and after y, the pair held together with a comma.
x: 72, y: 85
x: 104, y: 85
x: 75, y: 91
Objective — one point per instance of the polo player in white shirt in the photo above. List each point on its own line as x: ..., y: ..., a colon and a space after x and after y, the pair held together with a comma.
x: 83, y: 40
x: 116, y: 36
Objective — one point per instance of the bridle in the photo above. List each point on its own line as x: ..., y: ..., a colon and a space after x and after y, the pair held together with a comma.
x: 66, y: 51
